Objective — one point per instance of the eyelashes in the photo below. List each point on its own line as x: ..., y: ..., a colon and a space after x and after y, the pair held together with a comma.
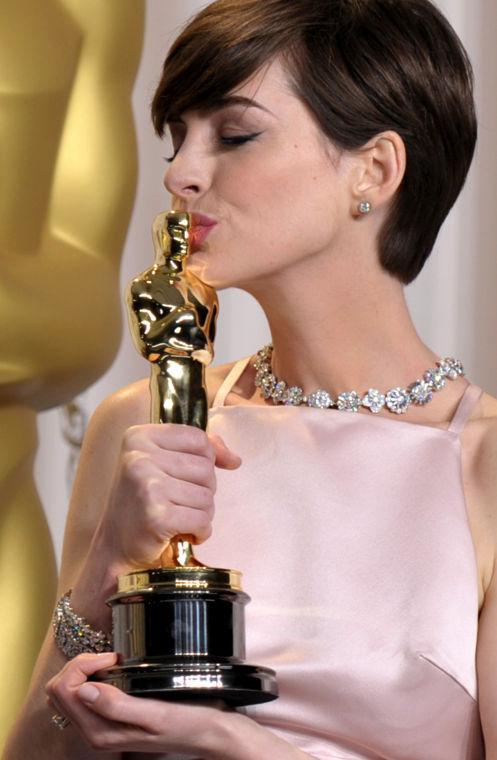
x: 240, y: 139
x: 225, y: 142
x: 170, y: 159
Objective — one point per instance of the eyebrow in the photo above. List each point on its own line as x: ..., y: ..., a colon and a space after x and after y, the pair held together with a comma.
x: 225, y: 102
x: 237, y: 100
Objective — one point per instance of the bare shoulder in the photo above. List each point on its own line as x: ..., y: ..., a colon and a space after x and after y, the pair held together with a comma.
x: 480, y: 432
x: 480, y: 437
x: 487, y: 407
x: 130, y: 405
x: 479, y: 457
x: 125, y: 407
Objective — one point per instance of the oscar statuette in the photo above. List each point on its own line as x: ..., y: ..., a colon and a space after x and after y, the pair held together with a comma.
x: 179, y: 628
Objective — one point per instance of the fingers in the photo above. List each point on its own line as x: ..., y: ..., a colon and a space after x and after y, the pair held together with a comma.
x: 76, y: 671
x: 163, y: 498
x: 178, y: 519
x: 164, y: 486
x: 166, y: 725
x: 190, y: 494
x: 61, y: 688
x: 188, y: 467
x: 115, y: 705
x: 225, y: 458
x: 99, y: 733
x: 170, y: 437
x: 183, y: 439
x: 110, y: 720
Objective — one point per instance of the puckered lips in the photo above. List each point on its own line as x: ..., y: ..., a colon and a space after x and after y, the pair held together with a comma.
x: 201, y: 226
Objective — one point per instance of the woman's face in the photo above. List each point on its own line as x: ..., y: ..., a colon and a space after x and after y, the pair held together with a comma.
x: 261, y: 168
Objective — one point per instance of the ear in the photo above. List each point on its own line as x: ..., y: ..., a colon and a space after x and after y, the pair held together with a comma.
x: 381, y: 165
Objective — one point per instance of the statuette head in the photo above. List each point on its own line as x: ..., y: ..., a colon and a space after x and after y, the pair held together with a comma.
x: 171, y: 232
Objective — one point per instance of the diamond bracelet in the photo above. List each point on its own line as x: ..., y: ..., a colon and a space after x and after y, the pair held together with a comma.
x: 397, y: 400
x: 73, y: 634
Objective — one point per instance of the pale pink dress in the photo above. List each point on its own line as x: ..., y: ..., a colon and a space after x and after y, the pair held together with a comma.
x: 352, y: 534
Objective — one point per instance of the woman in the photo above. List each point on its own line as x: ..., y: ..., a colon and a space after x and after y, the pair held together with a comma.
x: 326, y: 143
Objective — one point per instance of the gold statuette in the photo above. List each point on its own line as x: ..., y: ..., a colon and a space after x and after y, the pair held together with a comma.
x: 172, y: 316
x: 179, y: 629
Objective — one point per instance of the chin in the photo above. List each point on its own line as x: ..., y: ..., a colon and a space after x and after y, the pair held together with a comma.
x: 217, y: 270
x: 203, y: 265
x: 205, y: 273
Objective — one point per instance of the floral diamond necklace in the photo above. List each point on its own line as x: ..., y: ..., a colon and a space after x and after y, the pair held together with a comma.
x: 397, y: 400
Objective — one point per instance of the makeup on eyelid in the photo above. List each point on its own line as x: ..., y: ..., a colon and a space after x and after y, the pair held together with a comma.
x: 256, y: 185
x: 225, y: 141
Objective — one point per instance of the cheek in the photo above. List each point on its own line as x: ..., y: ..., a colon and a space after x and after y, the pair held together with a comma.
x: 280, y: 207
x: 302, y: 202
x: 301, y: 181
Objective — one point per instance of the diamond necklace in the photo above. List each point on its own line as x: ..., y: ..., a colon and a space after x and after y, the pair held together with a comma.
x: 396, y: 400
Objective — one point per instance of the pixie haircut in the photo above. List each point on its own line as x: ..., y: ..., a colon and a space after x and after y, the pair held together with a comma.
x: 362, y: 67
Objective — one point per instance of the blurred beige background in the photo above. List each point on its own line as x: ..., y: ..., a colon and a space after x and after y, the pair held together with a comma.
x: 454, y: 301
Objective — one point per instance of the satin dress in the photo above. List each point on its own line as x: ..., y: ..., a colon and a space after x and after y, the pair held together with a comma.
x: 352, y: 534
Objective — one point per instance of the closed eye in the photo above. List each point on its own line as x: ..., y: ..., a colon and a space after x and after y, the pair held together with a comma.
x: 225, y: 142
x: 239, y: 139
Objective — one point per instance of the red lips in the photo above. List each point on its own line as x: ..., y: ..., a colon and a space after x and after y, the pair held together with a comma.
x: 201, y: 227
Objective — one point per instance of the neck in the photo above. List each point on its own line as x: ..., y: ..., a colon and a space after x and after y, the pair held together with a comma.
x: 348, y: 329
x: 174, y: 265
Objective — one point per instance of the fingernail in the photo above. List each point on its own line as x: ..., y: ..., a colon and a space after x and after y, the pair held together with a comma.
x: 88, y: 693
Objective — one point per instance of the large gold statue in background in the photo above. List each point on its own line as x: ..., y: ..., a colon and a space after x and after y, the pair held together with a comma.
x: 67, y: 182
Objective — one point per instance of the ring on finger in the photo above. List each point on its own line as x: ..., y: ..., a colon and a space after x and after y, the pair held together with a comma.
x: 60, y: 721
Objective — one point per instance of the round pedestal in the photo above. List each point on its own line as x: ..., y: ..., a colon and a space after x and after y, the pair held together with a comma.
x: 234, y: 684
x: 180, y: 634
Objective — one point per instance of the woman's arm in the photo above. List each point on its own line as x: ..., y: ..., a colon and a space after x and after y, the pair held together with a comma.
x: 137, y: 486
x: 487, y: 669
x: 128, y: 500
x: 486, y: 477
x: 34, y: 735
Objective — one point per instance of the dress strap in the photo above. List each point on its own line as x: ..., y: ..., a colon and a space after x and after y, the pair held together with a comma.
x: 229, y: 381
x: 469, y: 399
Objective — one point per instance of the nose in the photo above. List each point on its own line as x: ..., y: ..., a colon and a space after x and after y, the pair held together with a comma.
x: 187, y: 177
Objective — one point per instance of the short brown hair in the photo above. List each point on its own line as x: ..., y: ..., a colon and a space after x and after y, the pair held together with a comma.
x: 362, y: 67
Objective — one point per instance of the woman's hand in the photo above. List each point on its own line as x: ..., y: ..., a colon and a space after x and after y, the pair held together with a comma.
x: 111, y: 721
x: 164, y: 486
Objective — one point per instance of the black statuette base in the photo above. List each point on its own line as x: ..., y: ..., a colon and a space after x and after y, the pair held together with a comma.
x: 176, y: 641
x: 234, y: 684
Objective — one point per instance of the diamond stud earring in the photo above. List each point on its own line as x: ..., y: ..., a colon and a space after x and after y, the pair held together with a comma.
x: 364, y: 207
